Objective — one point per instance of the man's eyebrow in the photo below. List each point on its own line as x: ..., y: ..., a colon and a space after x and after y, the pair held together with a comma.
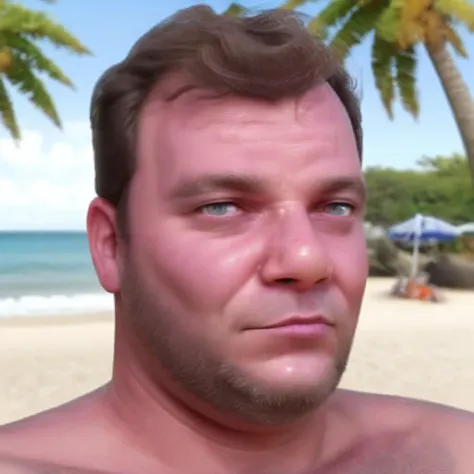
x: 251, y: 184
x: 245, y: 184
x: 353, y: 184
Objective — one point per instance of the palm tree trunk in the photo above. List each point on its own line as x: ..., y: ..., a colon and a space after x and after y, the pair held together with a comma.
x: 458, y: 95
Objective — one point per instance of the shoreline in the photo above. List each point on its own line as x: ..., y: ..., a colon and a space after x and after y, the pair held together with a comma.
x: 377, y: 292
x: 383, y: 285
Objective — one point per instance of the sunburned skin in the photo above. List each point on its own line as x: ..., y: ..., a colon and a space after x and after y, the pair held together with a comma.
x: 15, y: 466
x: 241, y: 215
x: 396, y: 444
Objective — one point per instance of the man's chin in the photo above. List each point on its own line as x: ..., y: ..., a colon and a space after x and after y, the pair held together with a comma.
x: 279, y: 405
x: 309, y: 392
x: 304, y: 376
x: 293, y: 395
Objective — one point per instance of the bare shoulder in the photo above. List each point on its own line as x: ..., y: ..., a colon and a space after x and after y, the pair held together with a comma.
x: 56, y: 441
x: 15, y: 466
x: 456, y: 428
x: 9, y: 465
x: 429, y: 429
x: 404, y: 407
x: 23, y: 452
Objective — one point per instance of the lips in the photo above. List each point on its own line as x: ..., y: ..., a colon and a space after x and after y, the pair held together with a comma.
x: 299, y: 321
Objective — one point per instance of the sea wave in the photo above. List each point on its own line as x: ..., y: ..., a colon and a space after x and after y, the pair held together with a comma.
x: 37, y: 305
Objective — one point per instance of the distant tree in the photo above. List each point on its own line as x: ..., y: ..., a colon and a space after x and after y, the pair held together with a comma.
x: 397, y: 28
x: 440, y: 187
x: 21, y: 59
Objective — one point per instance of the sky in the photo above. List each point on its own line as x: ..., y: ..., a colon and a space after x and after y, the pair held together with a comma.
x: 47, y: 181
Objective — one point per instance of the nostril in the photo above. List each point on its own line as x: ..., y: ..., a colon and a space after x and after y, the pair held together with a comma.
x: 287, y: 281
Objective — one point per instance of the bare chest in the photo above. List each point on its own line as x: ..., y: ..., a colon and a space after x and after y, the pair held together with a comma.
x: 388, y: 455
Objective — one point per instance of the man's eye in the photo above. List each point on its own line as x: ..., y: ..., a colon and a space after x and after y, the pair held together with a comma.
x: 219, y: 209
x: 339, y: 209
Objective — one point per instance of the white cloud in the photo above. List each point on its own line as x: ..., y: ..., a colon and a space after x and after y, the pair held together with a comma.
x: 46, y: 185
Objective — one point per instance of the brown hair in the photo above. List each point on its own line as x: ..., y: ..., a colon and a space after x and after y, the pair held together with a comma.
x: 269, y: 56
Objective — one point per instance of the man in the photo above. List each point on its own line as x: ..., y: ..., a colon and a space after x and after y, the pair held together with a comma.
x: 229, y: 227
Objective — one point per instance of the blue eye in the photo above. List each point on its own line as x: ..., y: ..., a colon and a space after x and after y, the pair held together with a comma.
x: 219, y: 209
x: 340, y: 209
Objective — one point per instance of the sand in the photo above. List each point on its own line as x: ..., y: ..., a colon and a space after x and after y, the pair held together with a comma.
x: 410, y: 348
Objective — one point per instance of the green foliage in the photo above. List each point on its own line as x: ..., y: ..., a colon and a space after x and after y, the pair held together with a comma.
x: 440, y: 187
x: 383, y: 57
x: 459, y: 10
x: 6, y: 111
x: 335, y: 13
x: 21, y: 75
x: 20, y: 30
x: 235, y: 9
x: 292, y: 4
x: 388, y: 24
x: 405, y: 61
x: 396, y: 27
x: 28, y: 52
x: 355, y: 28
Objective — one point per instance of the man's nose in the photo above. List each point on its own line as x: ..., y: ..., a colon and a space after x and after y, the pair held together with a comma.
x: 295, y: 256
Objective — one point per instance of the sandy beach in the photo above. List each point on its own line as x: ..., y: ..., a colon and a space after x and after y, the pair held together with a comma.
x: 422, y: 350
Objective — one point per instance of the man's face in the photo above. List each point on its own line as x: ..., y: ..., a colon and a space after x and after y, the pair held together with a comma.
x: 244, y: 215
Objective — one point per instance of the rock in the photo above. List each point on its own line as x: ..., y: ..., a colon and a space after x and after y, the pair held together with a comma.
x: 451, y: 272
x: 386, y: 260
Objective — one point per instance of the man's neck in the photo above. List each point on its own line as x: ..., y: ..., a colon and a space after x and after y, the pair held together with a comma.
x: 184, y: 437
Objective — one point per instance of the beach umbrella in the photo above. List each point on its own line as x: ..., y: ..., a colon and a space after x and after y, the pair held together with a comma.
x: 422, y: 229
x: 466, y: 229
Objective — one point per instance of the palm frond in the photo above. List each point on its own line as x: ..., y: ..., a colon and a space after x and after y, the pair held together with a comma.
x: 16, y: 19
x: 7, y: 113
x: 356, y: 28
x: 383, y: 58
x: 335, y: 13
x: 30, y: 53
x: 412, y: 24
x: 388, y: 24
x: 411, y: 11
x: 459, y: 10
x: 456, y: 42
x: 405, y: 64
x: 21, y: 76
x: 365, y: 3
x: 293, y: 4
x: 235, y: 9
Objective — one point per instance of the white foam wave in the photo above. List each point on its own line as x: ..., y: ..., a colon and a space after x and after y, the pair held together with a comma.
x: 32, y: 305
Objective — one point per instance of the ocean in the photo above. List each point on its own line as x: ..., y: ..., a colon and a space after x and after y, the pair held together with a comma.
x: 43, y: 273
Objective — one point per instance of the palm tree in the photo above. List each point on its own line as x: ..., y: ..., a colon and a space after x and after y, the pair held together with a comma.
x: 21, y: 60
x: 398, y: 27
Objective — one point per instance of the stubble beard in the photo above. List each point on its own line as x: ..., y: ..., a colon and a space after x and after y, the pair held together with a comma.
x: 206, y: 376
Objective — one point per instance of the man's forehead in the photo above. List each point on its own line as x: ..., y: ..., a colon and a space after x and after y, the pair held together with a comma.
x: 190, y: 106
x: 195, y: 131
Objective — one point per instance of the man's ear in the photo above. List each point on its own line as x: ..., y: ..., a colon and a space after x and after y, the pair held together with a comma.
x: 103, y: 241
